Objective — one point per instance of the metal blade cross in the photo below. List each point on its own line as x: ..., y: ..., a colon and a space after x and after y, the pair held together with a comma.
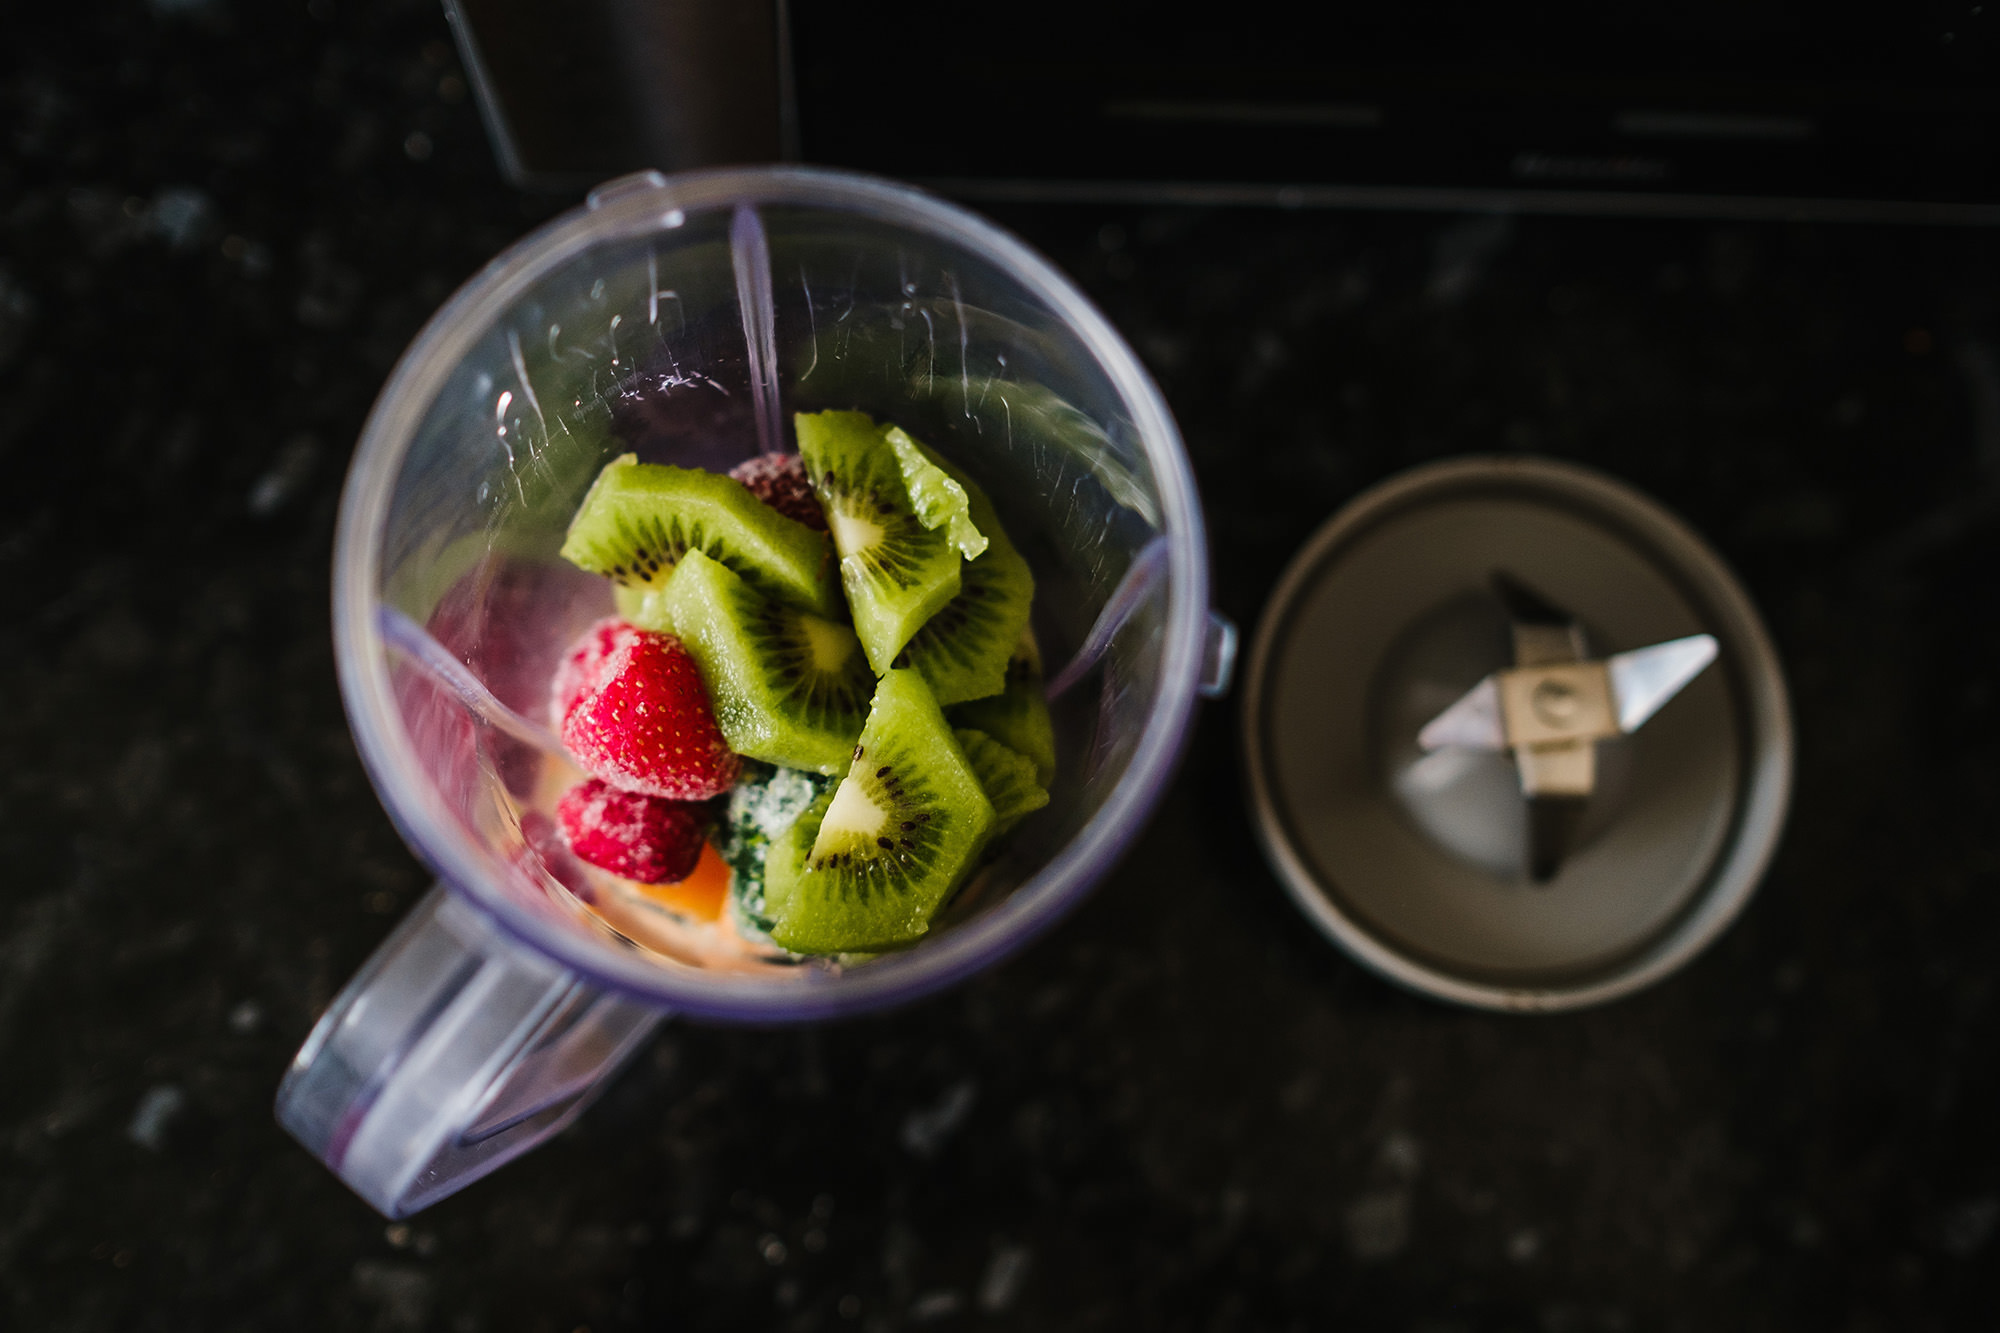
x: 1554, y: 705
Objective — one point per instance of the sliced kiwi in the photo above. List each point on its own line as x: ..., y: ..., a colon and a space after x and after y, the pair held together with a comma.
x: 896, y: 571
x: 1007, y: 775
x: 639, y: 519
x: 787, y: 686
x: 963, y: 650
x: 1018, y: 716
x: 940, y: 501
x: 867, y: 865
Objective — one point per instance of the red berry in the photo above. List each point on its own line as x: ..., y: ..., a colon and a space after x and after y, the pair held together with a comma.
x: 779, y: 480
x: 584, y: 664
x: 641, y: 837
x: 646, y: 725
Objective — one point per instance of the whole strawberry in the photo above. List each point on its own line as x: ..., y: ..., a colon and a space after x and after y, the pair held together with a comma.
x: 644, y: 723
x: 647, y: 838
x: 582, y: 666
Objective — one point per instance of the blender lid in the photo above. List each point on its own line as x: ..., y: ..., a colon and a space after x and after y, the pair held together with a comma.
x: 1515, y: 736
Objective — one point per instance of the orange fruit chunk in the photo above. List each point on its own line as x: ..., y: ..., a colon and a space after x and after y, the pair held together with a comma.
x: 701, y: 894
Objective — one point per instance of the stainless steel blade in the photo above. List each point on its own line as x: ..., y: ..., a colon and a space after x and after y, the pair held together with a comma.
x: 1473, y: 723
x: 1644, y: 679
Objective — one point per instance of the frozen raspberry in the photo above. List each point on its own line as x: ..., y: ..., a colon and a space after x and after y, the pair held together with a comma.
x: 646, y: 725
x: 646, y: 838
x: 779, y: 480
x: 584, y: 663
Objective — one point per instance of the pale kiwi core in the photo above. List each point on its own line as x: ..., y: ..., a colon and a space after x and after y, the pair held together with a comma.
x: 851, y: 532
x: 831, y: 644
x: 850, y: 812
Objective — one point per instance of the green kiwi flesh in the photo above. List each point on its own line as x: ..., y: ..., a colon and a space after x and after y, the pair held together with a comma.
x: 869, y: 863
x: 1007, y: 776
x: 639, y: 519
x: 940, y: 501
x: 644, y: 604
x: 1018, y: 716
x: 963, y: 650
x: 787, y: 686
x: 896, y: 572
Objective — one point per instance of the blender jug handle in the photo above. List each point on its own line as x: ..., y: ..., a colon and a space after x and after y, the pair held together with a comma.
x: 1218, y: 657
x: 453, y: 1051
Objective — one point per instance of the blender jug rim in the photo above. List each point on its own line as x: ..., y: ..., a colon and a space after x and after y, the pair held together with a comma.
x: 647, y: 206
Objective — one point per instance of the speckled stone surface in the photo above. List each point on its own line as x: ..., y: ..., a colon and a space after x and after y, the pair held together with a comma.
x: 1182, y: 1110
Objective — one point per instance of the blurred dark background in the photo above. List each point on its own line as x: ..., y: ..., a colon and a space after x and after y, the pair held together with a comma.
x: 1863, y: 108
x: 220, y: 223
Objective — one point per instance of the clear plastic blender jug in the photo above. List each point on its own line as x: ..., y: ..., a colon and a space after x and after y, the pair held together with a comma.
x: 686, y: 318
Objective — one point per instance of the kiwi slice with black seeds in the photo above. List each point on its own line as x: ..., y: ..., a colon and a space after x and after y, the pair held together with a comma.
x: 963, y: 650
x: 640, y: 519
x: 896, y: 571
x: 868, y: 864
x: 1006, y: 775
x: 787, y: 686
x: 1018, y: 716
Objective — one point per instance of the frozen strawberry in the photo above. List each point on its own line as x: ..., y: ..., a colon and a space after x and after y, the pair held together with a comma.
x: 646, y: 838
x: 584, y: 664
x: 779, y: 480
x: 646, y: 725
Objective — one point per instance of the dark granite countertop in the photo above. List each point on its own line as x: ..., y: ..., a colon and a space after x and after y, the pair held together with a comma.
x: 1183, y: 1109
